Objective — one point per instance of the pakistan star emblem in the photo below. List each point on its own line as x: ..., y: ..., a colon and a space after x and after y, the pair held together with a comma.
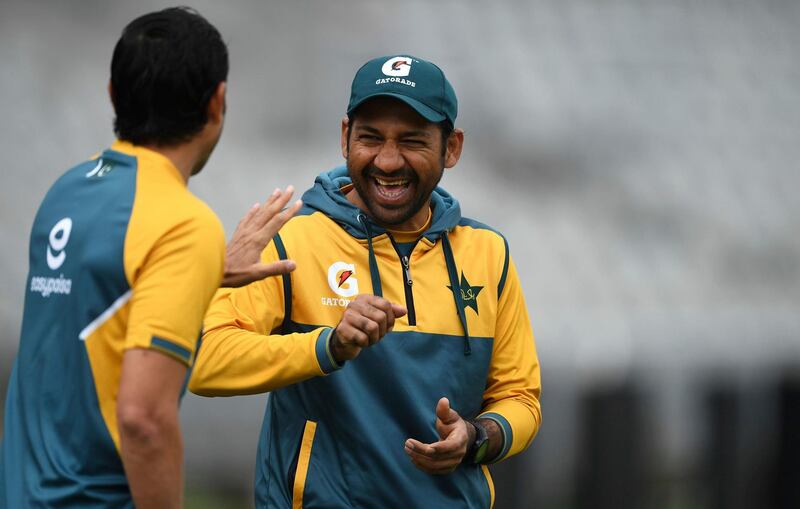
x: 469, y: 293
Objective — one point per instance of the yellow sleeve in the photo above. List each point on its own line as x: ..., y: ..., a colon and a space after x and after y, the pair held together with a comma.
x: 173, y: 286
x: 513, y: 385
x: 243, y: 350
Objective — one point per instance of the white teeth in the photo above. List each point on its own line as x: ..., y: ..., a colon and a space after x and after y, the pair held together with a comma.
x: 391, y: 182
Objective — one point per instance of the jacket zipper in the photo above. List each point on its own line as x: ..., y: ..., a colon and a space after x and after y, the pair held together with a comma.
x: 407, y: 284
x: 412, y: 315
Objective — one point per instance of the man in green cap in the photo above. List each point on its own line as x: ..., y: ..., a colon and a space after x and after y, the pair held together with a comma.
x: 399, y: 355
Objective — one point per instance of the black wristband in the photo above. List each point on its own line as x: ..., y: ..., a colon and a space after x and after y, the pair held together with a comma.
x: 476, y: 451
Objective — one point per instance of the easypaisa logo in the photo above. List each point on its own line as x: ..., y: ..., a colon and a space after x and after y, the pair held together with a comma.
x: 56, y: 255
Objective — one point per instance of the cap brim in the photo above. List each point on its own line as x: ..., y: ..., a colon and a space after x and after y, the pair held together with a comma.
x: 427, y: 112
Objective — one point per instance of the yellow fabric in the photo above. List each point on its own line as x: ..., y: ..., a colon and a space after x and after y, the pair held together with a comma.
x: 513, y: 385
x: 104, y: 349
x: 244, y: 353
x: 411, y: 236
x: 173, y: 260
x: 240, y: 323
x: 490, y: 482
x: 240, y: 353
x: 303, y: 237
x: 303, y: 461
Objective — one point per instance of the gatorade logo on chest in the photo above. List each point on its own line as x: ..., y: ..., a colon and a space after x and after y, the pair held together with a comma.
x: 342, y: 281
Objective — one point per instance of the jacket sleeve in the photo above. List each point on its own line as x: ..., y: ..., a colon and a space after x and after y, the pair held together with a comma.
x: 243, y: 350
x: 513, y: 385
x: 173, y: 284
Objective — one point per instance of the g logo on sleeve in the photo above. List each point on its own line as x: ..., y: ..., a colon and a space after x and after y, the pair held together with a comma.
x: 59, y: 236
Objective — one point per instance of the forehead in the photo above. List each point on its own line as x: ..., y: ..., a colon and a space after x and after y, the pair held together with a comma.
x: 388, y: 111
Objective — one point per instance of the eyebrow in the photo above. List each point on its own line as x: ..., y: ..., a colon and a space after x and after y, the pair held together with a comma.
x: 423, y: 134
x: 405, y: 134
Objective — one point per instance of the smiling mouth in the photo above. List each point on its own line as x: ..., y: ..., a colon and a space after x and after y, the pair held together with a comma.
x: 390, y: 183
x: 390, y: 190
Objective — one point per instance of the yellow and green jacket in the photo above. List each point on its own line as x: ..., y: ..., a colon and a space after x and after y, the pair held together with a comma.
x: 333, y: 434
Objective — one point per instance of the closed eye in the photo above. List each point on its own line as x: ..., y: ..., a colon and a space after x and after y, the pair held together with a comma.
x: 368, y: 137
x: 415, y: 143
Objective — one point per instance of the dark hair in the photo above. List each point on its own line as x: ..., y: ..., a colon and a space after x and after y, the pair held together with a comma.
x: 166, y: 67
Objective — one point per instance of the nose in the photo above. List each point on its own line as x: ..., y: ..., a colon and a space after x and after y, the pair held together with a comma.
x: 389, y: 158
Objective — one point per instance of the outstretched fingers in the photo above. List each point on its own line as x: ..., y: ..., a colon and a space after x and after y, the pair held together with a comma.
x: 252, y: 235
x: 276, y: 201
x: 279, y: 218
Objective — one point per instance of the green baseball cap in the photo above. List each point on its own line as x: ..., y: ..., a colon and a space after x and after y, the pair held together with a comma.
x: 416, y: 82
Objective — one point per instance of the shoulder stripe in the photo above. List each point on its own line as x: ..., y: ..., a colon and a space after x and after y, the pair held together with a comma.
x: 105, y: 315
x: 502, y: 282
x: 287, y: 283
x: 465, y: 221
x: 471, y: 223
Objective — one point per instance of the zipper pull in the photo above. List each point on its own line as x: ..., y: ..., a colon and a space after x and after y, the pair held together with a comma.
x: 404, y: 260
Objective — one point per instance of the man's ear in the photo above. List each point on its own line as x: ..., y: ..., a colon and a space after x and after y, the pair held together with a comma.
x: 216, y: 105
x: 111, y: 94
x: 345, y: 124
x: 455, y: 143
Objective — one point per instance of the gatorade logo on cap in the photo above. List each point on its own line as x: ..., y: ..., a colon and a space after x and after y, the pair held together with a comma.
x: 425, y: 89
x: 397, y: 66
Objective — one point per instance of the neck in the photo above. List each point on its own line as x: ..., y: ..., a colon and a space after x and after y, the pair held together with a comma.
x: 413, y: 227
x: 184, y: 156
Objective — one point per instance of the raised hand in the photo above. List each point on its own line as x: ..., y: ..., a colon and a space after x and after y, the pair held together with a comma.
x: 444, y: 456
x: 365, y: 321
x: 253, y: 233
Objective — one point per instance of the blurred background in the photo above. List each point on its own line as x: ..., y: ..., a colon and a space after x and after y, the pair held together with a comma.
x: 640, y: 156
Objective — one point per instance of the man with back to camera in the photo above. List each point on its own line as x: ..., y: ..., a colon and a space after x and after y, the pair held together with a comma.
x: 401, y: 361
x: 123, y: 263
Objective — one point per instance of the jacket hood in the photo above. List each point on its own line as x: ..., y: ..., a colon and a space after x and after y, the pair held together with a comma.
x: 326, y: 197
